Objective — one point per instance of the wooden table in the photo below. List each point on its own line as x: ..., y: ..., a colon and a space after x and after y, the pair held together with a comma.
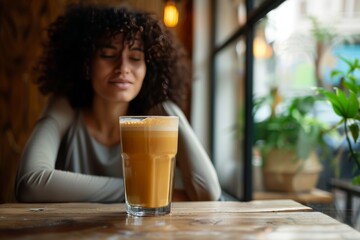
x: 315, y: 196
x: 271, y: 219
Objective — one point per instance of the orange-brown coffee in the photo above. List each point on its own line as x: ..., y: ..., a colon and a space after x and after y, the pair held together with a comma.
x: 148, y: 150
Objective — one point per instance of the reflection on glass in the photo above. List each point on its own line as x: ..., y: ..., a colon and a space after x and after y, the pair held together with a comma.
x: 241, y: 13
x: 228, y: 18
x: 229, y: 104
x: 297, y: 45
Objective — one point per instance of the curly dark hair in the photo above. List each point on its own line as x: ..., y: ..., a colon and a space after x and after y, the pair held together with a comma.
x: 72, y: 42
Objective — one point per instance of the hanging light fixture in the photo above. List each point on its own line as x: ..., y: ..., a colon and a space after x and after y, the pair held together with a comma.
x: 171, y: 14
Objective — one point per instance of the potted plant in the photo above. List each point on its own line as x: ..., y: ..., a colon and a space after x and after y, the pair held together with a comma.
x: 345, y: 103
x: 287, y: 140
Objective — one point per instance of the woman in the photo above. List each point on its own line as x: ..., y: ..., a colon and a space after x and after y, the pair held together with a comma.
x: 101, y: 63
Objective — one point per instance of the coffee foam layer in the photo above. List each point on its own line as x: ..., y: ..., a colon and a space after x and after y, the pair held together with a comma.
x: 149, y: 123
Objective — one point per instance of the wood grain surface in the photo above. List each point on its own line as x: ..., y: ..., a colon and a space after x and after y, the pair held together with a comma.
x: 272, y: 219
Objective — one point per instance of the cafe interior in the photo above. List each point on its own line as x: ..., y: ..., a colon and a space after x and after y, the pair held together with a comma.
x: 265, y: 74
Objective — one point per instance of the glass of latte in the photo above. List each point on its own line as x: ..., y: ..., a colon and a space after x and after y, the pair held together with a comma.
x: 148, y: 145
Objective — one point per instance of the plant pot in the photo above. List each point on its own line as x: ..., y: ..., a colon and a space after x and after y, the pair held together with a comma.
x: 283, y: 172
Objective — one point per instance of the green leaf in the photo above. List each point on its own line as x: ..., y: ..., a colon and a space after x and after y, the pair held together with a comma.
x: 341, y: 96
x: 348, y: 106
x: 352, y: 68
x: 343, y: 106
x: 356, y: 63
x: 338, y: 102
x: 354, y: 129
x: 352, y: 105
x: 356, y: 180
x: 336, y: 73
x: 335, y: 102
x: 352, y: 86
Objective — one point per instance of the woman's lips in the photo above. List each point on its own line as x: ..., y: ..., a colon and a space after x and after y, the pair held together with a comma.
x: 121, y: 84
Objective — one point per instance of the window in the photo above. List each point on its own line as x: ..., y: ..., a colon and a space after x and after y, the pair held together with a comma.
x: 291, y: 44
x: 232, y: 89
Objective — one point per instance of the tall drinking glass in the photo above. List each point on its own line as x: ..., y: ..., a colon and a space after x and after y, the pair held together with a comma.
x: 149, y: 145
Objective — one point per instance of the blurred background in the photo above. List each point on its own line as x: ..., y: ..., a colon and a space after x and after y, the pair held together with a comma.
x: 240, y: 50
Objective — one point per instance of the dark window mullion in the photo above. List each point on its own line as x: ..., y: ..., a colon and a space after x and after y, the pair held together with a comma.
x: 248, y: 101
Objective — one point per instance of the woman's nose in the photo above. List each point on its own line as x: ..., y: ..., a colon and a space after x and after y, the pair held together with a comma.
x: 122, y: 67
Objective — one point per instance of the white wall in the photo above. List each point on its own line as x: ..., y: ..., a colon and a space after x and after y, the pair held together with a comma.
x: 201, y: 61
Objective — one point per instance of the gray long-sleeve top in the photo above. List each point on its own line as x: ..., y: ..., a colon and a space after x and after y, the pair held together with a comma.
x: 61, y: 162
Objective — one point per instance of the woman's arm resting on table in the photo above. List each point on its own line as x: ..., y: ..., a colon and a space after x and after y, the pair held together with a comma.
x: 37, y: 179
x: 199, y: 175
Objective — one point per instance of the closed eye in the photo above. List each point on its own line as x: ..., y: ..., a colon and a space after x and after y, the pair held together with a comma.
x: 136, y: 54
x: 109, y: 52
x: 108, y: 56
x: 136, y: 59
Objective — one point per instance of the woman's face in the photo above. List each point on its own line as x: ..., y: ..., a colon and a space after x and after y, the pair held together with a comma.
x: 118, y: 70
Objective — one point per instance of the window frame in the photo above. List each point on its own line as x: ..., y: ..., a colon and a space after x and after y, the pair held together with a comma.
x: 253, y: 15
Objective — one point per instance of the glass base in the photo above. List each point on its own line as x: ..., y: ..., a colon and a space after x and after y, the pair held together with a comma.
x: 142, y: 211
